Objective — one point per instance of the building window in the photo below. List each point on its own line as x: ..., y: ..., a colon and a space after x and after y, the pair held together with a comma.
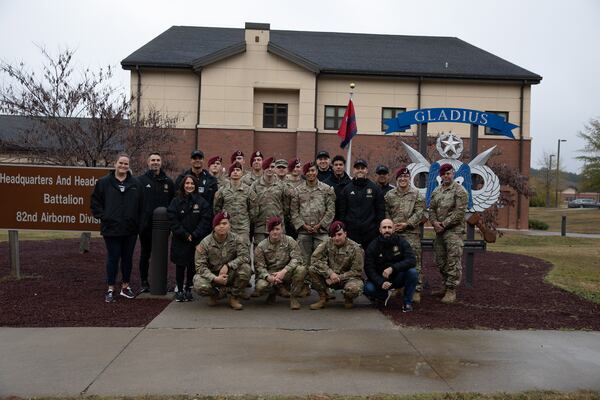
x: 275, y: 115
x: 390, y: 112
x: 502, y: 114
x: 334, y: 116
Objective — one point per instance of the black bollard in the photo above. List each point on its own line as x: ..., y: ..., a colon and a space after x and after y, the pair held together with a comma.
x: 157, y: 274
x: 563, y: 226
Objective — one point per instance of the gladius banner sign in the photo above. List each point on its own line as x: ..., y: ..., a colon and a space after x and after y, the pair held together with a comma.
x: 459, y: 115
x: 43, y: 197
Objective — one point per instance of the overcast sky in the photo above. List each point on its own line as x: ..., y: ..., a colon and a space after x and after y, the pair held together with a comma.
x: 558, y: 40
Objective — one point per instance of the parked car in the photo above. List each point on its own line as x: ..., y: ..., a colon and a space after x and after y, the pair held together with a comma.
x: 584, y: 203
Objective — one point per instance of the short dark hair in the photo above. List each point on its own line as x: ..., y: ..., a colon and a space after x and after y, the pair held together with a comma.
x: 338, y: 157
x: 154, y: 153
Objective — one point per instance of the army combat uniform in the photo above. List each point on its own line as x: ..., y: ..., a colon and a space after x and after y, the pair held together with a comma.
x: 407, y: 207
x: 312, y: 205
x: 346, y: 261
x: 448, y: 206
x: 237, y: 201
x: 273, y: 257
x: 210, y: 258
x: 268, y: 201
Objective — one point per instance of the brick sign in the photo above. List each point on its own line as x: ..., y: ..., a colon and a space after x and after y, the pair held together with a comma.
x: 47, y: 197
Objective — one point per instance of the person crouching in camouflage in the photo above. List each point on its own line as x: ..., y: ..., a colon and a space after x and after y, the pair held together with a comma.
x: 337, y: 263
x: 237, y: 199
x: 312, y: 211
x: 222, y: 263
x: 278, y: 264
x: 404, y: 205
x: 447, y: 210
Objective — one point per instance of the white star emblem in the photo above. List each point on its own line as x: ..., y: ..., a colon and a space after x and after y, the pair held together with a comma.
x: 450, y: 144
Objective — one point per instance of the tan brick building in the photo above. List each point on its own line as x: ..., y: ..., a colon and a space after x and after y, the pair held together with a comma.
x: 284, y: 92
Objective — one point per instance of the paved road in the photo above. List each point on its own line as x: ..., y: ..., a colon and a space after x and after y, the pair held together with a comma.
x: 534, y: 232
x: 193, y: 349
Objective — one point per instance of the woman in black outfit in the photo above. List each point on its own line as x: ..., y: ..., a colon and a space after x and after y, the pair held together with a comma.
x: 190, y: 217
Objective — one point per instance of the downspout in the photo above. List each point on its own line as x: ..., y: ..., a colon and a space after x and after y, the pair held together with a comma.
x: 521, y: 107
x: 419, y: 92
x: 315, y: 118
x: 196, y: 139
x: 139, y: 93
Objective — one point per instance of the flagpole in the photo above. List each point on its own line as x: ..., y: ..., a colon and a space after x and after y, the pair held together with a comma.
x: 349, y: 154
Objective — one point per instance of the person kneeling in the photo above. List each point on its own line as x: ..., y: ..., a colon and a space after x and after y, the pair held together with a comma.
x: 390, y: 264
x: 337, y: 264
x: 278, y: 264
x: 222, y: 264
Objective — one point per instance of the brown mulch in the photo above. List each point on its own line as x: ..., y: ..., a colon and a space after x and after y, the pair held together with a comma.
x: 509, y: 292
x: 64, y: 288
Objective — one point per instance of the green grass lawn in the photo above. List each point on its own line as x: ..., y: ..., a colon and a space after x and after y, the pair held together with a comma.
x: 576, y: 260
x: 580, y: 220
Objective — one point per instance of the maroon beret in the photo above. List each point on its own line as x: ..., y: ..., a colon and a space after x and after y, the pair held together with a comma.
x: 219, y: 217
x: 308, y: 165
x: 273, y: 222
x: 445, y: 168
x: 267, y: 163
x: 335, y: 227
x: 214, y: 159
x: 292, y: 163
x: 402, y: 171
x: 257, y: 153
x: 237, y: 153
x: 234, y: 165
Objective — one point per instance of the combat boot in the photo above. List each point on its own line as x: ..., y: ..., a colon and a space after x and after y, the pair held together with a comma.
x: 449, y: 297
x: 271, y: 298
x: 283, y: 292
x: 416, y: 297
x: 294, y: 303
x: 235, y: 303
x: 321, y: 303
x: 212, y: 300
x: 348, y: 303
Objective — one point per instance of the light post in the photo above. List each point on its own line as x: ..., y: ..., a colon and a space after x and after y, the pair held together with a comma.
x: 557, y: 168
x: 548, y: 169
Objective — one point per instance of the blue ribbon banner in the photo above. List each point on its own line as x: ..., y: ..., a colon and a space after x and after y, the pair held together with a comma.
x: 404, y: 120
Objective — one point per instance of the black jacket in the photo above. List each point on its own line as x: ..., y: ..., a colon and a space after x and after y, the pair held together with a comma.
x: 392, y: 252
x: 322, y: 176
x: 361, y: 207
x: 337, y: 183
x: 207, y: 184
x: 158, y: 191
x: 189, y: 215
x: 118, y: 205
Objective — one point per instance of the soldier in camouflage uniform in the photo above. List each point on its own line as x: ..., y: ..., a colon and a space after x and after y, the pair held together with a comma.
x: 236, y: 198
x: 337, y: 264
x: 447, y: 210
x: 312, y: 212
x: 255, y: 171
x: 404, y: 205
x: 269, y: 196
x: 215, y: 168
x: 278, y: 264
x: 222, y: 263
x: 294, y: 176
x: 281, y: 167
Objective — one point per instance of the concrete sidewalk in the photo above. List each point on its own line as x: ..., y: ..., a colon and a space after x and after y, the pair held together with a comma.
x: 193, y: 349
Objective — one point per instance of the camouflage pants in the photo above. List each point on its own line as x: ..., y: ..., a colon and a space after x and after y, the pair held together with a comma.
x: 294, y: 282
x: 308, y: 244
x: 448, y: 249
x: 236, y: 282
x: 352, y: 287
x: 414, y: 240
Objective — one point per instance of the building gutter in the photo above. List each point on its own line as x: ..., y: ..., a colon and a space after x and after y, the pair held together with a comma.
x: 138, y: 99
x: 315, y: 117
x: 521, y: 144
x: 197, y: 136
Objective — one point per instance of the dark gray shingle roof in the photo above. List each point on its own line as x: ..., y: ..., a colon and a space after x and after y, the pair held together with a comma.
x: 339, y: 53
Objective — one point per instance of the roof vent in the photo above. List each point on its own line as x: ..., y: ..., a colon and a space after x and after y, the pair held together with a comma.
x: 258, y: 26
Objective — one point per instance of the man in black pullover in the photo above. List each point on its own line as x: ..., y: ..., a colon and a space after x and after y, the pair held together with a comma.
x: 390, y: 264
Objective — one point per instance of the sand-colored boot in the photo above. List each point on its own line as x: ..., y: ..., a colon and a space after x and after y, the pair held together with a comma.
x: 294, y: 303
x: 348, y: 303
x: 235, y: 303
x: 449, y: 297
x: 319, y: 304
x: 212, y: 300
x: 416, y: 297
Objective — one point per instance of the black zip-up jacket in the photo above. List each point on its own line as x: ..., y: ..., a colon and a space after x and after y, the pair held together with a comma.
x: 118, y: 205
x: 382, y: 253
x: 337, y: 183
x: 361, y: 207
x: 207, y: 184
x: 188, y: 215
x: 322, y: 176
x: 158, y: 191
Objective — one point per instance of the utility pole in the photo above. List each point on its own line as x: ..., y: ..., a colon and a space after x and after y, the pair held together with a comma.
x: 548, y: 169
x: 558, y: 168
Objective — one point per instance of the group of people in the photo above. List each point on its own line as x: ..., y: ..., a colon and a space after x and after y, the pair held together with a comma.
x: 288, y: 225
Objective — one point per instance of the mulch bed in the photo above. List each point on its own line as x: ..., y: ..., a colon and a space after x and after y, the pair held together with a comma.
x: 64, y: 288
x: 509, y: 292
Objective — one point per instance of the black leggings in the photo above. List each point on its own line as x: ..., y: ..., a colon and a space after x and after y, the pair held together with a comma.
x: 186, y: 272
